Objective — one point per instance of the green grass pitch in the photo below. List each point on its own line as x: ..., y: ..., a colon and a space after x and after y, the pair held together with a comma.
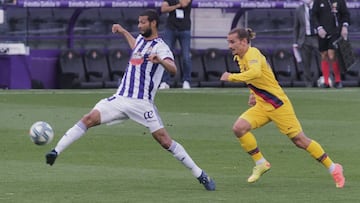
x: 122, y: 163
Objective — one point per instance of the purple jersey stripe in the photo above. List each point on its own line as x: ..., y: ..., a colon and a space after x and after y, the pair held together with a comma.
x: 140, y: 41
x: 151, y: 85
x: 142, y: 80
x: 123, y: 83
x: 132, y: 79
x: 267, y: 96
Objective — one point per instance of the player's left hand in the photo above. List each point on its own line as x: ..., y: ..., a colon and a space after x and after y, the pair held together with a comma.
x: 344, y: 32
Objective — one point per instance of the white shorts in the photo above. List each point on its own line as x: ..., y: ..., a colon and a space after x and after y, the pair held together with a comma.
x: 118, y: 108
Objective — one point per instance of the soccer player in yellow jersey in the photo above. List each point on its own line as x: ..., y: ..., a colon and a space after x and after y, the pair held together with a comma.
x: 268, y: 103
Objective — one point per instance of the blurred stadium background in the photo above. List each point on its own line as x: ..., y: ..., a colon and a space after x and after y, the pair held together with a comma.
x: 48, y: 29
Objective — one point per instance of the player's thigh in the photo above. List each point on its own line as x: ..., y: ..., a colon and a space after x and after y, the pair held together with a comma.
x: 256, y: 116
x: 286, y: 120
x: 146, y: 114
x: 110, y: 110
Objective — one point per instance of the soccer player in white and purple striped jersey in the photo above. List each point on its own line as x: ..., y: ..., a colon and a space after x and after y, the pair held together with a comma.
x: 134, y: 98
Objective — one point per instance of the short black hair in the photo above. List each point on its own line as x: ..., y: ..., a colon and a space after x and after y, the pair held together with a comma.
x: 152, y: 15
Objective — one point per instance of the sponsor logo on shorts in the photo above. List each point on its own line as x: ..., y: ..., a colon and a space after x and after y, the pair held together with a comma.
x: 149, y: 115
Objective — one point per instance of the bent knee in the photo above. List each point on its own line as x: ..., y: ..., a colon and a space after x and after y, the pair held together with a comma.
x: 91, y: 119
x: 163, y: 138
x: 241, y: 127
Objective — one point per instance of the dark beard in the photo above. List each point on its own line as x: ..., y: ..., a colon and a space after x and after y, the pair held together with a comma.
x: 147, y: 33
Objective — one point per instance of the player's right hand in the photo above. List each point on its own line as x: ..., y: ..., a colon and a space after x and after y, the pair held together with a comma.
x: 117, y: 28
x: 252, y: 100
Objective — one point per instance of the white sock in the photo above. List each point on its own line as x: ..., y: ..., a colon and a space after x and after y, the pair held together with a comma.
x: 71, y: 136
x: 331, y: 168
x: 261, y: 161
x: 180, y: 154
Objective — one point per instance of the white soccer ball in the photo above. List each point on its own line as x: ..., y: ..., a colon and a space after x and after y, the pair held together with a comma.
x: 41, y: 133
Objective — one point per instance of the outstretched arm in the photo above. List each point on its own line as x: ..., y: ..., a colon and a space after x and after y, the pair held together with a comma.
x: 117, y: 28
